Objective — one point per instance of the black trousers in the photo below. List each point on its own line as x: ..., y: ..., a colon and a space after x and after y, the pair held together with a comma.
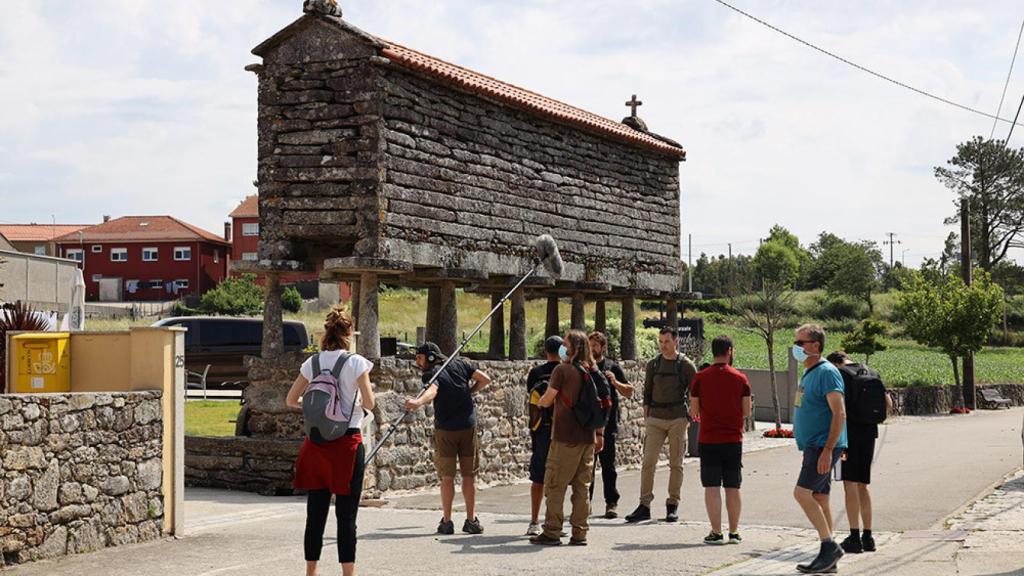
x: 609, y: 476
x: 318, y: 508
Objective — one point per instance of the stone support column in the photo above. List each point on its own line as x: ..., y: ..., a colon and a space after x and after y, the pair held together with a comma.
x: 368, y: 343
x: 551, y: 319
x: 578, y: 319
x: 672, y: 315
x: 517, y: 327
x: 496, y: 345
x: 627, y: 347
x: 600, y: 317
x: 448, y: 321
x: 273, y: 329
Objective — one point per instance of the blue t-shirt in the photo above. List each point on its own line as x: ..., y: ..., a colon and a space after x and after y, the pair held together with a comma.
x: 813, y: 415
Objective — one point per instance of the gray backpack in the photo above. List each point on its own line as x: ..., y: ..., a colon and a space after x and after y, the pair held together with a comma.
x: 323, y: 418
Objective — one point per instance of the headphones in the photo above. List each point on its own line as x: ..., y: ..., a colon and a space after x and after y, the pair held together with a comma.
x: 431, y: 358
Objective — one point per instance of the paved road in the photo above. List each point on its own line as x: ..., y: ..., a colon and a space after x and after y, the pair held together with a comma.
x: 934, y: 467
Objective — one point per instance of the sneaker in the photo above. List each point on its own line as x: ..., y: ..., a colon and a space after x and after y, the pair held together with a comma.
x: 826, y: 561
x: 640, y: 514
x: 575, y: 542
x: 534, y: 529
x: 852, y: 544
x: 672, y: 513
x: 734, y: 538
x: 611, y: 512
x: 472, y: 526
x: 714, y: 538
x: 545, y: 540
x: 446, y: 527
x: 868, y: 543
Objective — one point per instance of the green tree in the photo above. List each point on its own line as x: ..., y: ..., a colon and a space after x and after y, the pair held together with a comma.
x: 991, y: 176
x: 950, y: 315
x: 783, y: 236
x: 239, y: 296
x: 857, y: 271
x: 866, y: 339
x: 291, y: 300
x: 765, y: 311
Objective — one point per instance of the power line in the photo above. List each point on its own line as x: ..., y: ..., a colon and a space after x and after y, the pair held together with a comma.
x: 1007, y: 143
x: 862, y: 68
x: 1007, y: 84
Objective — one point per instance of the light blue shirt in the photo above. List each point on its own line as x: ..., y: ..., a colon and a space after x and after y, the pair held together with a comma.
x: 813, y: 415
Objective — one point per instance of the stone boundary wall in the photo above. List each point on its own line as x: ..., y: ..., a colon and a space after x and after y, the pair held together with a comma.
x: 262, y: 465
x: 79, y: 472
x: 926, y: 400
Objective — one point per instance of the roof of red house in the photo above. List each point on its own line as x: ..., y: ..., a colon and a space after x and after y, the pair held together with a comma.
x: 38, y: 232
x: 249, y: 208
x: 473, y: 81
x: 144, y: 229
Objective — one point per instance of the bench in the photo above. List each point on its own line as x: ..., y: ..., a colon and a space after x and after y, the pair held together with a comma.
x: 992, y: 396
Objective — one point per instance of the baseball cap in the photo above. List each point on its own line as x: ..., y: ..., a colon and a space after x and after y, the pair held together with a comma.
x: 552, y: 344
x: 429, y: 348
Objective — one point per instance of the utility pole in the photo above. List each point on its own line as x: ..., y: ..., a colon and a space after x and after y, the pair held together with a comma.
x: 892, y: 243
x: 689, y: 261
x: 965, y: 263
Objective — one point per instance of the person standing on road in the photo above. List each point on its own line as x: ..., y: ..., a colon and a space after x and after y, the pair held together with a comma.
x: 720, y: 396
x: 455, y: 437
x: 819, y: 425
x: 336, y: 467
x: 855, y: 469
x: 666, y: 413
x: 619, y: 386
x: 540, y: 427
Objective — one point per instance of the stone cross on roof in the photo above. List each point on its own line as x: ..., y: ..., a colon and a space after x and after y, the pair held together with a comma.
x: 634, y: 121
x: 633, y: 103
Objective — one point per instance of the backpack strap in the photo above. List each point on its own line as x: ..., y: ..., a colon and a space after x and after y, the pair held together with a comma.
x: 316, y: 364
x: 339, y: 364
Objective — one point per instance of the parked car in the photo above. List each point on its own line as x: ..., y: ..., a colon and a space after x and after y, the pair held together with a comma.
x: 223, y: 342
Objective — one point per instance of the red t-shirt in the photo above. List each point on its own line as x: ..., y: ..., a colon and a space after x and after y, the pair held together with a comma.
x: 720, y: 389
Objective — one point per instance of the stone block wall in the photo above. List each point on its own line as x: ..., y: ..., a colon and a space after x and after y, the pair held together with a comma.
x: 925, y: 400
x: 79, y: 472
x: 262, y: 465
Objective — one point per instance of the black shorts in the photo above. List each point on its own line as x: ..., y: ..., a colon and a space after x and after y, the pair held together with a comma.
x: 721, y: 465
x: 857, y: 466
x: 809, y: 477
x: 539, y: 458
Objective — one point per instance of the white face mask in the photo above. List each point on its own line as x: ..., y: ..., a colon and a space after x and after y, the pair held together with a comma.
x: 563, y: 353
x: 799, y: 353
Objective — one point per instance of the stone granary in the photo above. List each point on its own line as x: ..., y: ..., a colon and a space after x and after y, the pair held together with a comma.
x: 393, y: 166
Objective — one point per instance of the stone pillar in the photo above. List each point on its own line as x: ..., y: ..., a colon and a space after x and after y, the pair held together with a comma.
x: 672, y: 315
x: 627, y: 347
x: 433, y: 313
x: 273, y: 329
x: 517, y: 327
x: 600, y: 317
x: 551, y: 320
x: 496, y: 346
x: 368, y: 344
x: 354, y: 304
x: 448, y: 320
x: 578, y: 318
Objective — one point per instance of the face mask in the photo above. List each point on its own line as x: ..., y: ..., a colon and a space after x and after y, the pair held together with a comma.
x: 563, y: 353
x: 799, y: 353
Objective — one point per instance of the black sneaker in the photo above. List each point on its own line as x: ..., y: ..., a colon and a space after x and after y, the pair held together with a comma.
x: 575, y: 542
x: 446, y: 528
x: 714, y: 538
x: 640, y: 514
x: 611, y: 512
x: 852, y: 544
x: 472, y: 526
x: 734, y: 538
x: 545, y: 540
x: 672, y: 513
x: 825, y: 562
x: 868, y: 543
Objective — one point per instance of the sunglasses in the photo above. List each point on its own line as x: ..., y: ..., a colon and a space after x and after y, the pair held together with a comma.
x: 802, y: 342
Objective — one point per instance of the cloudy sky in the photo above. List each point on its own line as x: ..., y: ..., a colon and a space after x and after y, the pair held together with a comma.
x: 128, y: 107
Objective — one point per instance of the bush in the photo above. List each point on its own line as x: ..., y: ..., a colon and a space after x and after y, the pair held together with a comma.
x: 291, y: 300
x: 234, y: 297
x: 839, y: 307
x: 181, y: 309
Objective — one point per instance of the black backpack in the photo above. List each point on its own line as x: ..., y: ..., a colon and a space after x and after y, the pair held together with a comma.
x: 594, y: 402
x: 865, y: 395
x: 538, y: 417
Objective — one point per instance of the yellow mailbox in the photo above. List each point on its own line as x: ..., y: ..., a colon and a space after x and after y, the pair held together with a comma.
x: 41, y: 362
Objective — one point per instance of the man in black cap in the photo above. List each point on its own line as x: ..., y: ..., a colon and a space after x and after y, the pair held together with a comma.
x: 540, y: 428
x: 455, y: 439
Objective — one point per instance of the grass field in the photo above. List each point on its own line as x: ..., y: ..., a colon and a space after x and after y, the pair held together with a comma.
x: 210, y: 417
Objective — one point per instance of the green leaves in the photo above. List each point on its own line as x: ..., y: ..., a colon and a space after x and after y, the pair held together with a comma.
x: 234, y: 297
x: 866, y: 339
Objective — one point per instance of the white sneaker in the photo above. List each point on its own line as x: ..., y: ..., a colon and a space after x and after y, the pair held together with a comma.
x: 534, y: 529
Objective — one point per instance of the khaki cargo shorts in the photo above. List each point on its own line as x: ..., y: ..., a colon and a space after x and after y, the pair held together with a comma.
x: 458, y: 446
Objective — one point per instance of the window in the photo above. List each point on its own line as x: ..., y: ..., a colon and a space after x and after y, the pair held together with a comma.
x: 249, y: 257
x: 118, y: 254
x: 75, y: 254
x: 131, y: 286
x: 149, y: 254
x: 181, y: 283
x: 182, y: 253
x: 251, y: 229
x: 155, y: 284
x: 97, y: 248
x: 216, y: 256
x: 97, y: 277
x: 40, y: 250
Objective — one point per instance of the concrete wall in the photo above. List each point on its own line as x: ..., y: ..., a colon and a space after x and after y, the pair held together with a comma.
x: 786, y: 383
x: 79, y: 472
x: 42, y: 281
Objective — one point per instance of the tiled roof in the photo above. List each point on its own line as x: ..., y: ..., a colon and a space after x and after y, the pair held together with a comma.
x: 142, y: 229
x: 513, y: 95
x: 38, y: 232
x: 249, y: 208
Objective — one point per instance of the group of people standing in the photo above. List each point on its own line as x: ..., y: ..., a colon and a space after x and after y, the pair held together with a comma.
x: 564, y: 450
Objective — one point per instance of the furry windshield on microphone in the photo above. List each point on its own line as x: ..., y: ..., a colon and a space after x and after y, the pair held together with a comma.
x: 547, y: 252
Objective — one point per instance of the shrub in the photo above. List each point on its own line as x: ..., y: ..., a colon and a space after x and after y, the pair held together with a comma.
x: 839, y: 307
x: 291, y: 300
x: 234, y: 297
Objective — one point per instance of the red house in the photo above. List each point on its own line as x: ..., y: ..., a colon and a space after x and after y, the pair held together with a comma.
x: 245, y: 230
x: 147, y: 258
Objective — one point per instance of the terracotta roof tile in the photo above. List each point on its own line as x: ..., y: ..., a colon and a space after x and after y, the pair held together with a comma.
x: 38, y: 232
x: 520, y: 97
x: 249, y: 208
x: 142, y: 229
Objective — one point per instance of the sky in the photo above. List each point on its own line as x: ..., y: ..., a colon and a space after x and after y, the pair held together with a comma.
x: 139, y: 107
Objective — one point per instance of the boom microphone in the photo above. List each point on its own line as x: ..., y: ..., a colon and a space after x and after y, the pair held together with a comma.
x: 547, y: 253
